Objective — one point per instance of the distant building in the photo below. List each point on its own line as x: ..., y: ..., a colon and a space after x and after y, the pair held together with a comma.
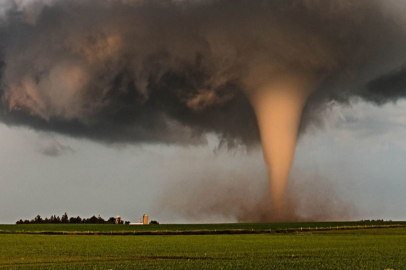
x: 119, y: 220
x: 137, y: 223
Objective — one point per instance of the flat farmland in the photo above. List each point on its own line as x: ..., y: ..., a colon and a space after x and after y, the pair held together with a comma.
x: 383, y: 248
x: 191, y: 228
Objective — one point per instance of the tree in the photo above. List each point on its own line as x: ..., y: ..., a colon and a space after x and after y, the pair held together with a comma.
x: 92, y: 220
x: 154, y: 222
x: 38, y: 219
x: 100, y: 220
x: 112, y: 220
x: 65, y: 218
x: 75, y: 220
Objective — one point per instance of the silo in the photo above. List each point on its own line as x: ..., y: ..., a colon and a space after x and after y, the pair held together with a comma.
x: 145, y: 219
x: 118, y: 220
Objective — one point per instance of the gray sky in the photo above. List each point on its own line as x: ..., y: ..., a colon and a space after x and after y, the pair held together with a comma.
x: 361, y: 152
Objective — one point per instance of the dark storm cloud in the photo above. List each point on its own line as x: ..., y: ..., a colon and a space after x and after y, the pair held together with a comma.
x: 388, y: 88
x: 172, y: 71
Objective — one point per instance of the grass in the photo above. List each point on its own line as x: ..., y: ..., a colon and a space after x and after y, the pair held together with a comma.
x: 339, y: 249
x: 247, y: 227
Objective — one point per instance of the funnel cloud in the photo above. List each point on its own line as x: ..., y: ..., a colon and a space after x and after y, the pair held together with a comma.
x: 174, y: 71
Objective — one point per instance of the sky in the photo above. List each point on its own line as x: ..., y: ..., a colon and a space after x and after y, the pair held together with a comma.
x: 106, y: 113
x: 360, y: 151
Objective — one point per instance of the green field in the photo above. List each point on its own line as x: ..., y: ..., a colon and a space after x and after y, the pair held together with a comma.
x: 383, y: 248
x: 209, y: 228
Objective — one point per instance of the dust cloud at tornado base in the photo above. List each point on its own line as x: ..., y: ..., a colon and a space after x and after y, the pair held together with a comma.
x: 233, y: 197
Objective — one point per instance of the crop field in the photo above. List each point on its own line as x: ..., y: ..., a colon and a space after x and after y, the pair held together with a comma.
x: 383, y: 248
x: 209, y: 228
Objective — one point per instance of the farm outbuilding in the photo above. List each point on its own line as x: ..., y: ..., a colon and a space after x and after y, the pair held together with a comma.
x: 119, y: 220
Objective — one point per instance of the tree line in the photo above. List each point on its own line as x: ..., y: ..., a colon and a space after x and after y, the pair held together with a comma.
x: 65, y: 219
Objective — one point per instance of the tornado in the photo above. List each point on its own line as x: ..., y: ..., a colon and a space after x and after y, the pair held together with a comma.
x: 278, y: 106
